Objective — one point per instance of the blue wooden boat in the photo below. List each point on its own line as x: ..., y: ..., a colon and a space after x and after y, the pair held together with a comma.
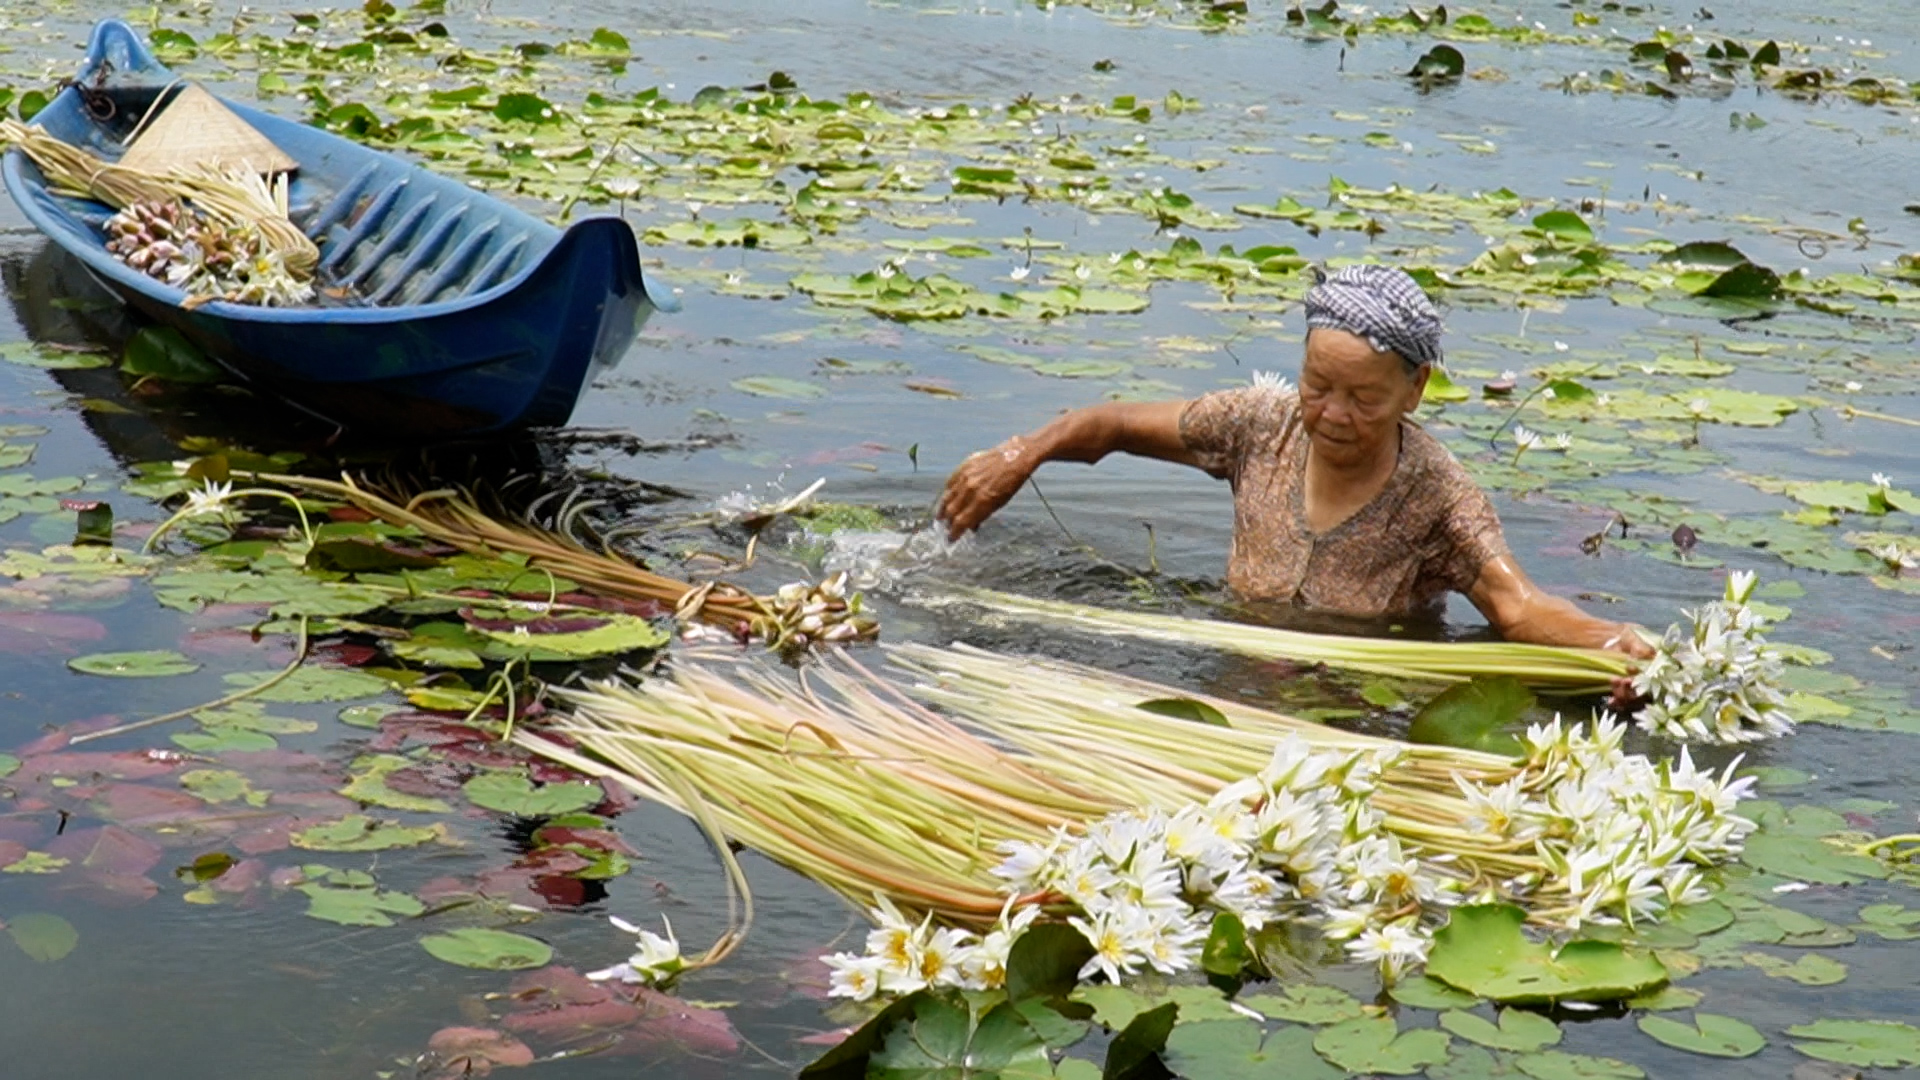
x: 461, y: 315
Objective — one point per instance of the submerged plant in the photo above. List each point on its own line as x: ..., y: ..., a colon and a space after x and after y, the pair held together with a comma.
x: 1716, y: 679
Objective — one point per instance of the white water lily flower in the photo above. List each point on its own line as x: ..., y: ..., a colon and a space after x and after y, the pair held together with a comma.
x: 1563, y: 441
x: 1525, y: 438
x: 1852, y: 387
x: 211, y: 499
x: 1272, y: 380
x: 1082, y: 273
x: 1019, y: 273
x: 1699, y: 407
x: 1882, y: 481
x: 1395, y: 947
x: 852, y: 976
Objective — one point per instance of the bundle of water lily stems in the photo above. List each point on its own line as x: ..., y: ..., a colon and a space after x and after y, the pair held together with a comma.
x: 236, y: 198
x: 1543, y: 667
x: 798, y: 613
x: 869, y: 791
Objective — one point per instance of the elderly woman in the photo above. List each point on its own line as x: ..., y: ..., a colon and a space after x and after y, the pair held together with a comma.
x: 1341, y: 502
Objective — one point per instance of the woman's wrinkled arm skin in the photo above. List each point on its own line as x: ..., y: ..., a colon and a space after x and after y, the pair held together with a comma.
x: 1522, y: 611
x: 985, y: 481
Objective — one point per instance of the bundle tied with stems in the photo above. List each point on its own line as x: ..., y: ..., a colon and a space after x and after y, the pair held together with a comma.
x: 799, y: 615
x: 986, y: 793
x: 1713, y: 678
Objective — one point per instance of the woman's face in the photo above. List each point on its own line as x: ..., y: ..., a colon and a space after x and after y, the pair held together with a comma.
x: 1352, y: 397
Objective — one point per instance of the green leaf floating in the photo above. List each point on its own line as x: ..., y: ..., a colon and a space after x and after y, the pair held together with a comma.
x: 490, y: 950
x: 1884, y: 1044
x: 1565, y: 225
x: 1374, y: 1044
x: 1557, y: 1065
x: 1305, y: 1004
x: 358, y: 907
x: 1518, y: 1030
x: 148, y: 664
x: 1235, y: 1050
x: 43, y: 936
x: 512, y: 793
x: 942, y: 1040
x: 357, y: 832
x: 1477, y: 715
x: 1482, y: 950
x: 619, y: 634
x: 1715, y: 1036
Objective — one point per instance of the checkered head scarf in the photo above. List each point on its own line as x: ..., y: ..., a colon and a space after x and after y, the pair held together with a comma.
x: 1381, y: 304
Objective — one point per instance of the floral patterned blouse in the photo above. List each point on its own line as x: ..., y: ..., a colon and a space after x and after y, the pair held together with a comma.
x: 1429, y: 531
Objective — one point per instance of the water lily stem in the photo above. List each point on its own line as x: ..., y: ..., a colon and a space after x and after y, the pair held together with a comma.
x: 299, y: 658
x: 1850, y: 412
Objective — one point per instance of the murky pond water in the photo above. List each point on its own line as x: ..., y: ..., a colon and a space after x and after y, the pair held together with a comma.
x: 790, y: 390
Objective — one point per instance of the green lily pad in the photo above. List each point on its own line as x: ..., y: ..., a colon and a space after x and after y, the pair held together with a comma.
x: 1811, y: 969
x: 1482, y: 950
x: 360, y: 906
x: 1518, y: 1030
x: 357, y: 832
x: 775, y: 386
x: 488, y: 950
x: 1237, y: 1050
x: 369, y: 785
x: 1423, y: 992
x: 310, y: 684
x: 1808, y: 858
x: 43, y: 936
x: 619, y: 634
x: 1715, y: 1036
x: 1476, y: 715
x: 151, y: 663
x: 1305, y: 1004
x: 1884, y: 1044
x: 222, y: 786
x: 1565, y: 225
x: 513, y: 793
x: 161, y: 352
x: 942, y: 1040
x: 1375, y: 1044
x: 1558, y: 1065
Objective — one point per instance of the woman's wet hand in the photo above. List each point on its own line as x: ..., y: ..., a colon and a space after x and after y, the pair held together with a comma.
x: 983, y: 483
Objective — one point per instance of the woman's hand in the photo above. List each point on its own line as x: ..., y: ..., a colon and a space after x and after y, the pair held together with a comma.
x: 983, y: 483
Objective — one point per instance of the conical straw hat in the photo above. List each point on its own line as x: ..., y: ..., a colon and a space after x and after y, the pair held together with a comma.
x: 196, y: 129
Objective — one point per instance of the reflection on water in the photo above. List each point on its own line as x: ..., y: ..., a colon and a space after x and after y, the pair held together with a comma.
x: 265, y: 992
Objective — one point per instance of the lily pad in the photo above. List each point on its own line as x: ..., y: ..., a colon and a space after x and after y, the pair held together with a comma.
x: 43, y: 936
x: 359, y: 907
x: 1715, y: 1036
x: 1885, y: 1044
x: 1476, y: 715
x: 1237, y: 1050
x: 1808, y: 858
x: 1305, y: 1004
x: 942, y: 1040
x: 489, y: 950
x: 357, y: 832
x: 310, y: 684
x: 1558, y: 1065
x: 151, y: 663
x: 1482, y: 950
x: 1565, y: 225
x: 514, y: 793
x: 1423, y: 992
x: 1518, y: 1030
x: 1375, y: 1044
x: 775, y: 386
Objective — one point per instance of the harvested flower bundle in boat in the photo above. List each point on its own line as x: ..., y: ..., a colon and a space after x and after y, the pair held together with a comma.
x: 1042, y: 791
x: 172, y: 242
x: 232, y: 203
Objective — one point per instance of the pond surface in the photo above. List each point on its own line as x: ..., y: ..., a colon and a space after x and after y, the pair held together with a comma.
x: 781, y: 388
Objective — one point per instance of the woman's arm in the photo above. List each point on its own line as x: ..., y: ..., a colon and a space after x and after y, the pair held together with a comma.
x: 1522, y: 611
x: 985, y: 481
